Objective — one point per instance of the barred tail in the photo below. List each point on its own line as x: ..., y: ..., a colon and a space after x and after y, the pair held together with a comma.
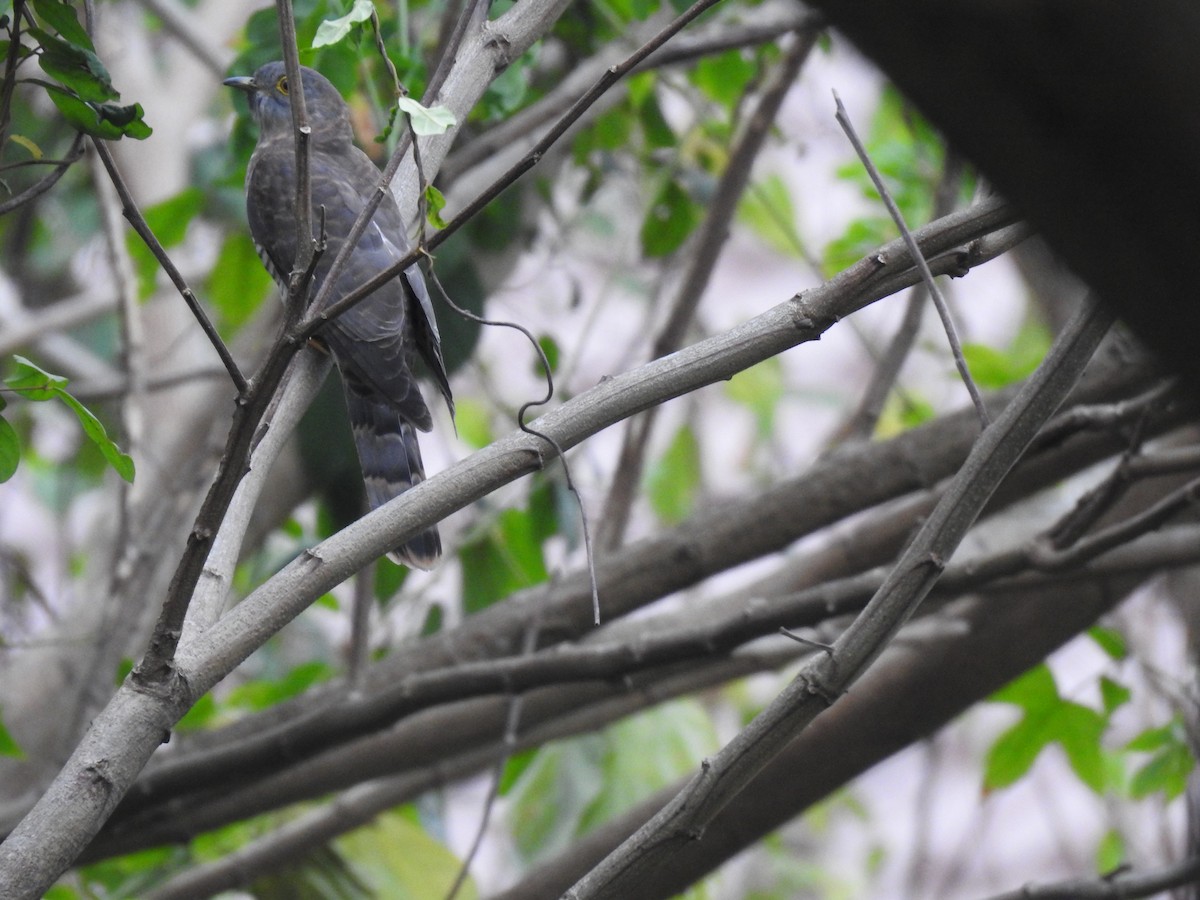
x: 391, y: 463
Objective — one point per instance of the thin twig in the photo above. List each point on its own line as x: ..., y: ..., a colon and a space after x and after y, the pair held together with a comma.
x: 1045, y: 555
x: 1116, y: 886
x: 300, y: 278
x: 864, y: 419
x: 939, y: 301
x: 138, y: 223
x: 47, y: 181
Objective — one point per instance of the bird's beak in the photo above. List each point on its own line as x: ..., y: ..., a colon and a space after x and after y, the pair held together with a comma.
x: 241, y: 83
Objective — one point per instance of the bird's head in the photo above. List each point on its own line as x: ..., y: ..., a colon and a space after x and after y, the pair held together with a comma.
x: 270, y: 100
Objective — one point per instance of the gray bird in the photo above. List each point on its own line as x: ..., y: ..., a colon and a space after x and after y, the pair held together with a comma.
x: 376, y: 343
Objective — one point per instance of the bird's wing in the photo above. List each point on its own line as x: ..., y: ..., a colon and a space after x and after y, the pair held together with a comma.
x: 376, y: 340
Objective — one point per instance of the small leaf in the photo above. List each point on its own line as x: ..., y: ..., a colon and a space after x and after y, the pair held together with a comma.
x: 239, y: 282
x: 550, y: 349
x: 76, y: 67
x: 34, y: 150
x: 94, y: 429
x: 61, y: 16
x: 8, y: 746
x: 1167, y: 771
x: 1113, y: 693
x: 723, y: 77
x: 426, y: 121
x: 169, y: 222
x: 105, y: 121
x: 1110, y: 641
x: 1111, y: 852
x: 673, y: 482
x: 34, y: 382
x: 505, y: 559
x: 10, y: 450
x: 435, y: 202
x: 333, y: 30
x: 1154, y: 738
x: 671, y: 218
x: 768, y: 210
x: 861, y: 237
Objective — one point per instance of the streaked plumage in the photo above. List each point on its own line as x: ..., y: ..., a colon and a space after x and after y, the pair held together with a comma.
x: 376, y: 343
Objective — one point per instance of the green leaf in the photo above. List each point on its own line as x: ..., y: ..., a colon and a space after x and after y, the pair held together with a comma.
x: 33, y: 382
x: 105, y: 121
x: 861, y: 237
x: 263, y: 693
x: 426, y: 121
x: 395, y: 857
x: 508, y: 90
x: 723, y: 77
x: 655, y: 127
x: 1154, y: 738
x: 473, y: 422
x: 768, y: 211
x: 435, y: 202
x: 61, y: 16
x: 505, y: 559
x: 94, y: 429
x: 1110, y: 641
x: 760, y: 390
x: 549, y: 798
x: 1171, y: 761
x: 1110, y: 854
x: 8, y: 746
x: 671, y: 218
x: 672, y: 482
x: 126, y: 118
x: 1113, y: 693
x: 202, y: 714
x: 994, y: 369
x: 1167, y: 771
x: 10, y: 450
x: 78, y: 68
x: 647, y: 752
x: 239, y: 282
x: 1047, y: 719
x: 609, y: 132
x: 169, y: 222
x: 550, y: 349
x: 333, y: 30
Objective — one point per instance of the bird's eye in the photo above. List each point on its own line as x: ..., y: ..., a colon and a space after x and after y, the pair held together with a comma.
x: 281, y: 85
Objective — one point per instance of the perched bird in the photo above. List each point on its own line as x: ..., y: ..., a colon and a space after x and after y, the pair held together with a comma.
x: 375, y: 344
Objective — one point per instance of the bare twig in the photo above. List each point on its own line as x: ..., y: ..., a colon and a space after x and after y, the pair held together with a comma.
x: 939, y: 301
x: 300, y: 278
x: 138, y: 222
x: 864, y: 419
x: 1049, y: 557
x: 1117, y: 886
x: 43, y: 184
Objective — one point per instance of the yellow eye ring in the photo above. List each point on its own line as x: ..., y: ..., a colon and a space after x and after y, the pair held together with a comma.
x: 281, y: 85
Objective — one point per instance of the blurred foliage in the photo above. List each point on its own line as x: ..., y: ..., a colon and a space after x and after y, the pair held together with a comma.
x: 32, y: 383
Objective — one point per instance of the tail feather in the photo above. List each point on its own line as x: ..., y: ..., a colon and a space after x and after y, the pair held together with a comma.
x: 391, y: 463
